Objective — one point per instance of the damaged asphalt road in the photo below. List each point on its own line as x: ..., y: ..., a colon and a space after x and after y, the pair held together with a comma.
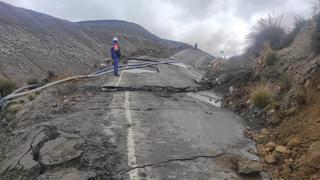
x: 145, y: 124
x: 171, y: 134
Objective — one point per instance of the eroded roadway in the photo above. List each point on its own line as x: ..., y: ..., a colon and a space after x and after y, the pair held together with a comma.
x: 171, y: 135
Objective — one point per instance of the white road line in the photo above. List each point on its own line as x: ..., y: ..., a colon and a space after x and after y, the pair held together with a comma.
x: 120, y: 78
x: 134, y: 174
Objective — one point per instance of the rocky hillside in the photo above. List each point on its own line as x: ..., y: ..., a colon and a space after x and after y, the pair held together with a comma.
x: 31, y: 43
x: 286, y: 125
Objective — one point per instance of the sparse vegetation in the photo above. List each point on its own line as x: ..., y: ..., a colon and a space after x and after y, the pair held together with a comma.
x: 32, y: 96
x: 32, y: 81
x: 268, y: 30
x: 299, y: 23
x: 50, y: 76
x: 14, y: 108
x: 271, y: 58
x: 290, y: 101
x: 261, y: 96
x: 6, y: 86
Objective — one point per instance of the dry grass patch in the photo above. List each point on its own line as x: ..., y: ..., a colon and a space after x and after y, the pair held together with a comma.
x: 6, y: 86
x: 261, y: 96
x: 271, y: 58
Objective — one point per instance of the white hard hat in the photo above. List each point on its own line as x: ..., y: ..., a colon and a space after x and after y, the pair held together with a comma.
x: 115, y: 39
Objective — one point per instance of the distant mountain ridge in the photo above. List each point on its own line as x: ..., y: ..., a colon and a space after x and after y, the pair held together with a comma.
x: 32, y: 43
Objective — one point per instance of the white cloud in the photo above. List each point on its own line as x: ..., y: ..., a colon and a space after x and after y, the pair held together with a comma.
x: 214, y: 24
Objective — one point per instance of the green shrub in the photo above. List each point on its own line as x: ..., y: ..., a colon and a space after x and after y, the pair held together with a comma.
x: 268, y: 30
x: 261, y: 96
x: 14, y: 108
x: 32, y: 81
x: 32, y: 96
x: 6, y: 86
x: 271, y: 58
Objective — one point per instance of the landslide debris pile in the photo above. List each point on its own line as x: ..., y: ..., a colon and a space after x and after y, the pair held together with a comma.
x: 34, y: 44
x: 275, y: 85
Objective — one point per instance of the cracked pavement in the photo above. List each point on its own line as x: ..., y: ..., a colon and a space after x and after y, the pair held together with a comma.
x: 141, y: 125
x: 174, y: 135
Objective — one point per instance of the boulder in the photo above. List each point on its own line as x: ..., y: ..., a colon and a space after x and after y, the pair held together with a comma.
x: 270, y: 159
x: 281, y: 149
x: 270, y: 145
x: 294, y: 142
x: 307, y: 84
x: 58, y: 151
x: 313, y: 155
x: 247, y: 167
x: 265, y: 131
x: 279, y: 156
x: 22, y: 157
x: 261, y: 150
x: 260, y: 138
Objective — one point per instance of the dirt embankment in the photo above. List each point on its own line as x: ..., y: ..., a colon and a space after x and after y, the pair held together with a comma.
x: 287, y: 130
x: 32, y: 44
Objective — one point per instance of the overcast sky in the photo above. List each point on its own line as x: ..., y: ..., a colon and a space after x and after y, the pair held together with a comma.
x: 214, y: 24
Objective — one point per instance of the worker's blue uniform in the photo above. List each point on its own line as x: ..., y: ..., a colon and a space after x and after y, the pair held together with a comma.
x: 115, y: 54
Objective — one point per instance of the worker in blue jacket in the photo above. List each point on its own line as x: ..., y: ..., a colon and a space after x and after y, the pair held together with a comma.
x: 115, y: 54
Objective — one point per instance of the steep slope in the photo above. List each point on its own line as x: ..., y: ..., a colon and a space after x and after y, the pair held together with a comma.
x: 128, y: 29
x: 289, y: 144
x: 34, y: 43
x: 31, y: 43
x: 132, y: 36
